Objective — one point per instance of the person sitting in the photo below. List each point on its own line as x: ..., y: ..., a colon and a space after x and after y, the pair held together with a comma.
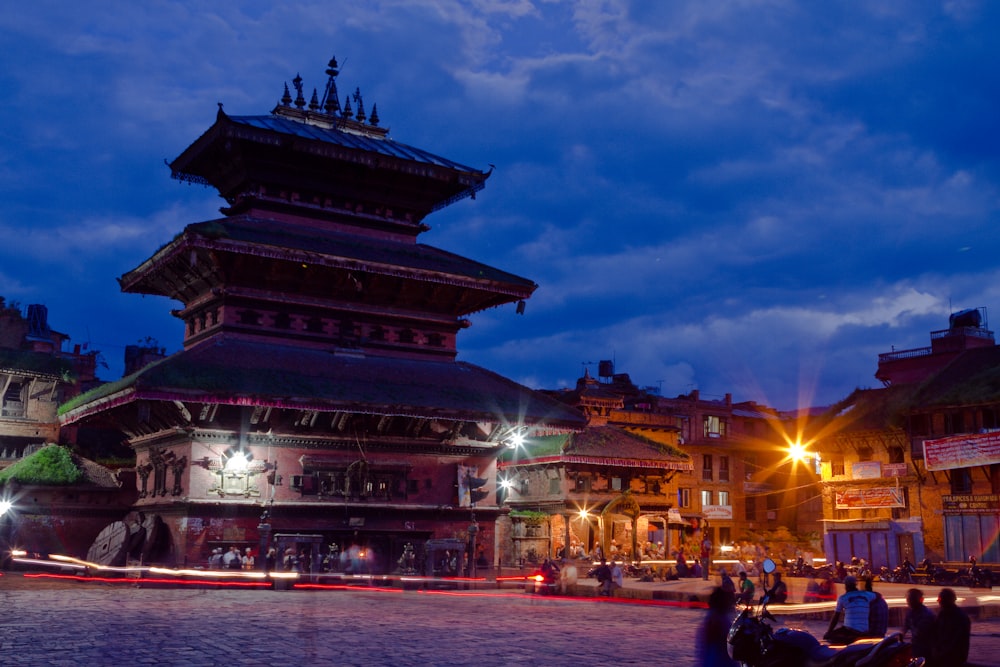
x: 682, y: 567
x: 778, y: 592
x: 854, y: 607
x: 878, y: 616
x: 727, y: 586
x: 812, y: 592
x: 747, y: 589
x: 952, y: 630
x: 603, y: 574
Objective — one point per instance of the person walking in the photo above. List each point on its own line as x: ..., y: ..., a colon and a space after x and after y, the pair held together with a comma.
x: 710, y: 641
x: 952, y: 633
x: 919, y: 624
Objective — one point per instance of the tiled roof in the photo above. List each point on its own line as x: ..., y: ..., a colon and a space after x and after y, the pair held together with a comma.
x: 27, y: 361
x: 377, y: 145
x: 392, y: 255
x: 599, y: 445
x: 236, y: 371
x: 869, y: 410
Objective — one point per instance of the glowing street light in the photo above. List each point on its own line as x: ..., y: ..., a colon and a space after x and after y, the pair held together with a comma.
x: 5, y: 506
x: 798, y: 452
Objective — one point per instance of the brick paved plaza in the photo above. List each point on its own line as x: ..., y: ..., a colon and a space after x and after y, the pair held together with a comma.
x: 94, y: 624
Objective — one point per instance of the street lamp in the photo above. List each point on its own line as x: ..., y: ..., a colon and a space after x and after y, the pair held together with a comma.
x: 473, y: 531
x: 797, y: 452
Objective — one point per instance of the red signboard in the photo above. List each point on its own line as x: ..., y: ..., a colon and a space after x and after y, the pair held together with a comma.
x: 962, y: 451
x: 856, y: 499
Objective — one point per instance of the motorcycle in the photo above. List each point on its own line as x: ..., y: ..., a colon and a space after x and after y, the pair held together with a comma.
x: 754, y: 643
x: 544, y: 581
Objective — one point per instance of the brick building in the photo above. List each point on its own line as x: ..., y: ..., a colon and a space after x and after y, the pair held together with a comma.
x: 913, y: 469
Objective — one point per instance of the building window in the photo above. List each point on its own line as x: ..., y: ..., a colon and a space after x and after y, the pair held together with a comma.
x: 723, y: 468
x: 953, y: 423
x: 706, y: 467
x: 904, y: 511
x: 723, y: 497
x: 684, y: 497
x: 282, y: 321
x: 989, y: 419
x: 961, y: 481
x: 583, y: 483
x: 725, y: 535
x: 13, y: 400
x: 750, y: 466
x: 706, y: 498
x: 865, y: 454
x: 714, y: 427
x: 250, y: 317
x: 896, y: 455
x: 837, y: 466
x: 616, y: 483
x: 751, y: 508
x: 554, y: 486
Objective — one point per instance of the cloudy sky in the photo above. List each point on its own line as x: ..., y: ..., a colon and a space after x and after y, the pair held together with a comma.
x: 746, y: 197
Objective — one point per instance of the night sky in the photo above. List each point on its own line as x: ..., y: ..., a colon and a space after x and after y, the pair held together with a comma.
x: 753, y: 198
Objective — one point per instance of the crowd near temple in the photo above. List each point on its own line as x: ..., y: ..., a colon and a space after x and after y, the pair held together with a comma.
x: 317, y: 416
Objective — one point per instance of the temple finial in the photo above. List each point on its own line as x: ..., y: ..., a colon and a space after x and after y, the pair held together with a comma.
x: 314, y: 102
x: 347, y: 108
x: 330, y: 102
x: 286, y: 99
x: 300, y: 101
x: 373, y: 119
x: 361, y: 105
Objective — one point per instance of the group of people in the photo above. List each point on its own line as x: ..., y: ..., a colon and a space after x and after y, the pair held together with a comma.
x: 942, y: 639
x: 609, y: 577
x: 231, y: 559
x: 744, y: 590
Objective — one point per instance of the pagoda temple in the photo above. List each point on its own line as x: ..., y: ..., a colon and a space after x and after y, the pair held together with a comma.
x: 317, y: 398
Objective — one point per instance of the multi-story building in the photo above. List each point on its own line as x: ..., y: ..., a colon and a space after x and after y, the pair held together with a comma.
x: 64, y: 514
x: 318, y: 392
x: 723, y: 472
x: 36, y: 375
x: 608, y: 489
x: 742, y: 485
x: 913, y: 469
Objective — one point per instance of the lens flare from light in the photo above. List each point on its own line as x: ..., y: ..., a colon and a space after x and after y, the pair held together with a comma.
x: 797, y: 452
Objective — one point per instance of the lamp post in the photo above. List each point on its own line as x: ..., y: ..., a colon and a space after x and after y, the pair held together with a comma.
x: 264, y: 528
x: 473, y: 531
